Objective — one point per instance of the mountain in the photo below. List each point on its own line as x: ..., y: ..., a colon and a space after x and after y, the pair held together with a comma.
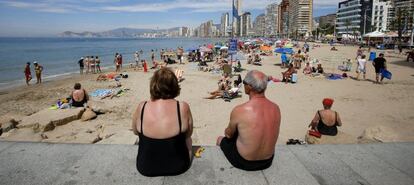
x: 116, y: 33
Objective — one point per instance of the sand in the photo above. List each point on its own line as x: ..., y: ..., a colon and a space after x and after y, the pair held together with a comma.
x: 385, y: 110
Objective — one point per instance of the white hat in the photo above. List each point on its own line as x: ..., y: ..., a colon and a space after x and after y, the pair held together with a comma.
x: 35, y: 62
x: 81, y: 57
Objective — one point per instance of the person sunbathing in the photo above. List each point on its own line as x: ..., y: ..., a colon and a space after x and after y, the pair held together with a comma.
x: 326, y: 121
x: 79, y: 96
x: 164, y: 126
x: 221, y: 93
x: 308, y: 69
x: 251, y: 135
x: 287, y: 75
x: 179, y: 74
x: 334, y: 49
x: 224, y: 82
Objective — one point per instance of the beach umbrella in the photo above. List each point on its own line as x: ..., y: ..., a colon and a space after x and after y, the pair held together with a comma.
x: 217, y: 46
x: 375, y: 34
x: 288, y: 45
x: 224, y: 48
x: 205, y: 49
x: 284, y: 50
x: 191, y: 49
x: 265, y: 48
x: 210, y: 46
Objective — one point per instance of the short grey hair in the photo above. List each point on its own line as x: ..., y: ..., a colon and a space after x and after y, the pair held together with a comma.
x: 257, y: 80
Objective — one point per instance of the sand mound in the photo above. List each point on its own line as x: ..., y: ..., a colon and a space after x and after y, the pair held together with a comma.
x: 378, y: 134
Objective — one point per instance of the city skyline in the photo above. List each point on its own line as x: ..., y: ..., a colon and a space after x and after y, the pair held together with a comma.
x: 51, y: 17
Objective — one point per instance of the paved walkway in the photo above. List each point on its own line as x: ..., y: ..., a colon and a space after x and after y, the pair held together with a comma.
x: 42, y: 163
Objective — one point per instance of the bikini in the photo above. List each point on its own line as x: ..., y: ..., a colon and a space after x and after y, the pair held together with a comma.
x: 162, y: 157
x: 325, y: 129
x: 229, y: 148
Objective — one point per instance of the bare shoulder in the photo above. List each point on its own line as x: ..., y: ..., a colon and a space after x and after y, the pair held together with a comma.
x: 184, y: 106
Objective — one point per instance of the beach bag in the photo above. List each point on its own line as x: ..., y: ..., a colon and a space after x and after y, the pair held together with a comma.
x: 294, y: 78
x: 386, y: 74
x: 314, y: 133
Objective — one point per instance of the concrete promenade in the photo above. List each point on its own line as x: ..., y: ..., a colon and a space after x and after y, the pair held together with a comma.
x: 42, y: 163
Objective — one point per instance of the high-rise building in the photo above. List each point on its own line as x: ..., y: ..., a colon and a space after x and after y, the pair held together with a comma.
x: 259, y: 25
x: 284, y: 18
x: 272, y: 20
x: 300, y: 17
x: 380, y: 13
x: 327, y: 19
x: 224, y: 25
x: 406, y: 9
x: 246, y: 24
x: 353, y: 17
x: 237, y: 12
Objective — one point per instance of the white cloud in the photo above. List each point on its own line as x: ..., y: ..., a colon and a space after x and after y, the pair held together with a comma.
x: 67, y: 6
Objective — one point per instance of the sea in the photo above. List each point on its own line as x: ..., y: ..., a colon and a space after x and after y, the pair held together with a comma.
x: 60, y: 56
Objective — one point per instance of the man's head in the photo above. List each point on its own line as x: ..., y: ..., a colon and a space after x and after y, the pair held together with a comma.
x: 256, y: 82
x: 381, y: 55
x: 28, y: 63
x: 35, y: 63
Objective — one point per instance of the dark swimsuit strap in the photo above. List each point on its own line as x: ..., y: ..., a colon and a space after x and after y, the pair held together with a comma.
x: 142, y: 117
x: 179, y: 115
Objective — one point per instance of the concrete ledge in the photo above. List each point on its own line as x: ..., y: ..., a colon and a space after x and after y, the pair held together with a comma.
x: 43, y: 163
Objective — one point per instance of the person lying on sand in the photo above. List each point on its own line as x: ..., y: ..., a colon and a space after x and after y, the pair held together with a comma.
x: 334, y: 49
x: 221, y: 93
x: 326, y: 121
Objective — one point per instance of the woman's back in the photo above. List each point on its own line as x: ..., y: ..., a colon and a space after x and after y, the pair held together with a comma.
x: 162, y: 132
x: 164, y: 127
x: 328, y: 117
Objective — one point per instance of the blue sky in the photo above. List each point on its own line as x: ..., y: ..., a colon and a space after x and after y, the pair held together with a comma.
x: 50, y: 17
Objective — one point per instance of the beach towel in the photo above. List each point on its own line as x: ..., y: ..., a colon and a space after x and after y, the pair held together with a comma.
x: 334, y: 77
x: 101, y: 92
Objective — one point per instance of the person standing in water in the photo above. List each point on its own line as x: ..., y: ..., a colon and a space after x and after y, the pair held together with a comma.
x: 27, y: 73
x: 98, y: 64
x: 38, y: 70
x: 81, y: 65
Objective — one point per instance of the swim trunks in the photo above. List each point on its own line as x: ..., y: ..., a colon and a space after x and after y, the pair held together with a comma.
x: 229, y: 148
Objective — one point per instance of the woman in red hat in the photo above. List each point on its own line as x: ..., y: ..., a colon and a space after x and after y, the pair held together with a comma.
x: 326, y: 121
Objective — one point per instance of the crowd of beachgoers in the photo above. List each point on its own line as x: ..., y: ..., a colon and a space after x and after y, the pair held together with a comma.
x: 254, y: 125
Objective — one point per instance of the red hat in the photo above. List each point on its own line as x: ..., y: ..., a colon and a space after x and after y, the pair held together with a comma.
x: 327, y: 102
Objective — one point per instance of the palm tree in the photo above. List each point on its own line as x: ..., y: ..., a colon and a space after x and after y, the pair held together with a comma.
x: 399, y: 23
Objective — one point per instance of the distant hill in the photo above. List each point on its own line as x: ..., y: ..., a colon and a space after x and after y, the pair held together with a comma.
x: 116, y: 33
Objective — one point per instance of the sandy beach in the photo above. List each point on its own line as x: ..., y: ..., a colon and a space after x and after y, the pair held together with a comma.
x: 386, y: 110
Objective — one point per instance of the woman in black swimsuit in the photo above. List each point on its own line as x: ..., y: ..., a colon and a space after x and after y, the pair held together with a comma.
x: 326, y: 121
x: 164, y: 127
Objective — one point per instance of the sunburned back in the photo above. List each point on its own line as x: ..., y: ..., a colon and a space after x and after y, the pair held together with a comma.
x: 160, y: 120
x: 258, y: 129
x: 328, y: 117
x: 78, y: 95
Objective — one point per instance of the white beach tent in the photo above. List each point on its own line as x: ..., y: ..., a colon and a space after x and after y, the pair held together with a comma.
x: 375, y: 34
